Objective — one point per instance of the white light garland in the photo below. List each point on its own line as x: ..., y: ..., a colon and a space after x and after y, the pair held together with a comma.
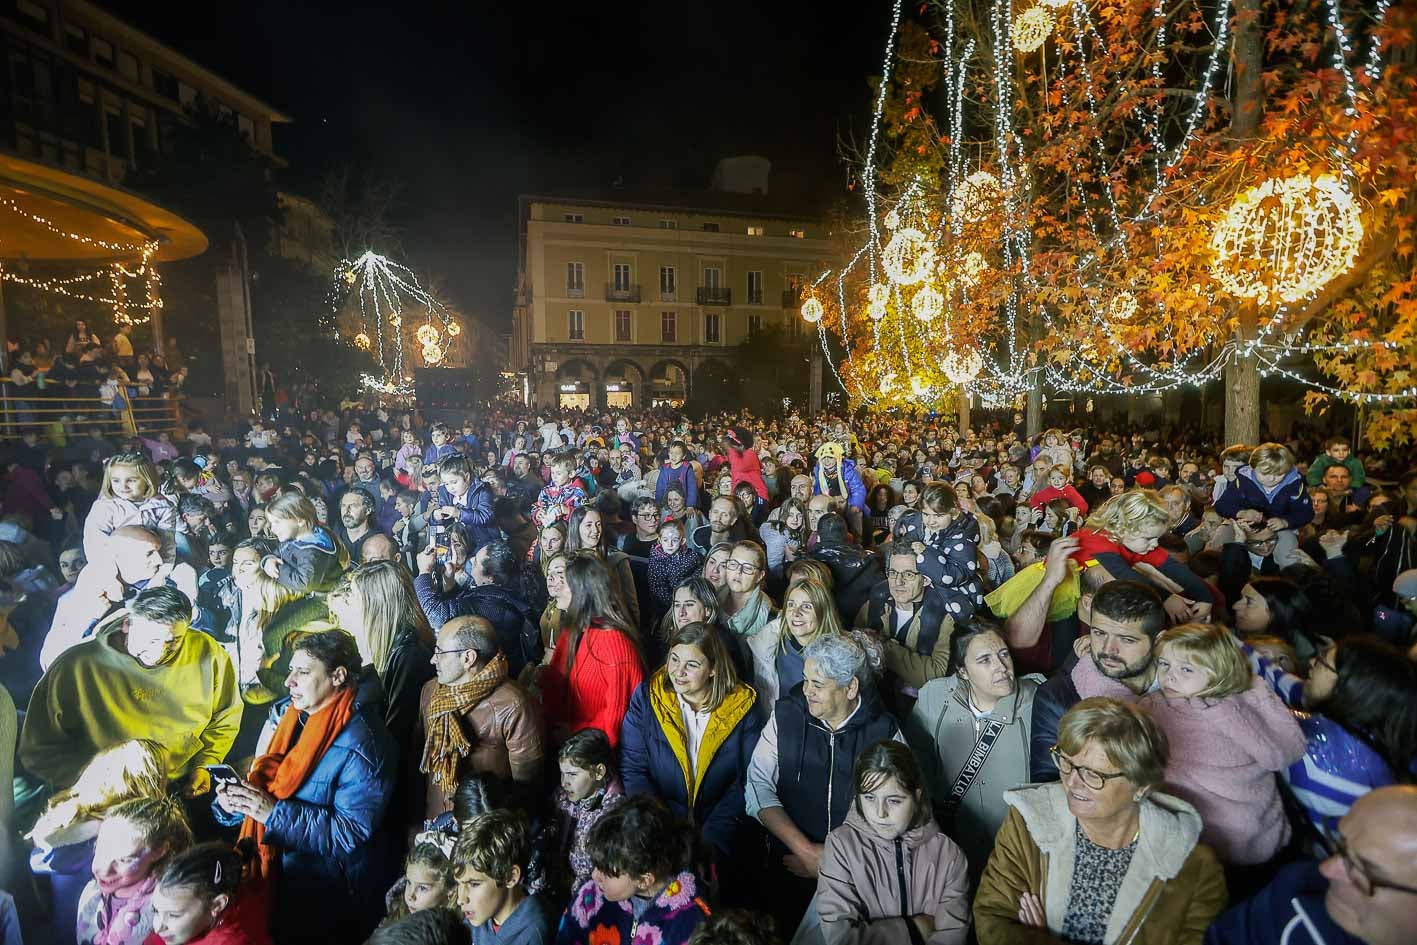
x: 962, y: 365
x: 908, y: 257
x: 927, y: 303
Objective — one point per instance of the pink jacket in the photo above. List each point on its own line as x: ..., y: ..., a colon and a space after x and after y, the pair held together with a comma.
x: 1224, y: 756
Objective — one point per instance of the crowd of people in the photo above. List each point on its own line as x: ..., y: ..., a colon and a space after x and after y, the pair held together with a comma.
x: 636, y: 679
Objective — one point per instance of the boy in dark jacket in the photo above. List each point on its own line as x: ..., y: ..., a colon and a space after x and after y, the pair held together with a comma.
x: 465, y: 499
x: 1270, y: 492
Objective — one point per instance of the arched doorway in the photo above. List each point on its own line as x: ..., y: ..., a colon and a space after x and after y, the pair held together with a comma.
x: 624, y: 384
x: 668, y: 384
x: 576, y: 385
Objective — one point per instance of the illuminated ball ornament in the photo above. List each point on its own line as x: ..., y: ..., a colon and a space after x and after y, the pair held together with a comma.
x: 976, y: 196
x: 962, y: 365
x: 426, y: 335
x: 454, y: 329
x: 1286, y: 239
x: 432, y: 353
x: 350, y: 277
x: 395, y: 320
x: 879, y: 295
x: 1122, y: 308
x: 361, y: 340
x: 812, y: 311
x: 1031, y: 29
x: 1057, y: 4
x: 919, y: 387
x: 927, y: 303
x: 908, y: 257
x: 971, y: 267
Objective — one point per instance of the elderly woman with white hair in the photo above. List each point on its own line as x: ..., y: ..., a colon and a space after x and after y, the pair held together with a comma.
x: 1102, y: 855
x: 799, y: 781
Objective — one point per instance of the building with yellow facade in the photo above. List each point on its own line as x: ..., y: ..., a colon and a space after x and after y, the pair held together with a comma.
x: 620, y: 301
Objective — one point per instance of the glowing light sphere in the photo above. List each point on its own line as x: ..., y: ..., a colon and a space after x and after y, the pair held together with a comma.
x: 362, y: 341
x: 426, y: 335
x: 454, y: 329
x: 908, y: 257
x: 892, y: 220
x: 1122, y: 308
x: 919, y: 387
x: 432, y: 353
x: 887, y: 383
x: 971, y: 267
x: 927, y: 303
x: 812, y: 310
x: 962, y: 365
x: 350, y: 277
x: 1031, y: 28
x: 976, y: 196
x: 876, y: 311
x: 1286, y: 239
x: 879, y: 293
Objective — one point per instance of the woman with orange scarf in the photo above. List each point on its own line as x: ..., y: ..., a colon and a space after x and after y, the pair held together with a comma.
x: 315, y: 800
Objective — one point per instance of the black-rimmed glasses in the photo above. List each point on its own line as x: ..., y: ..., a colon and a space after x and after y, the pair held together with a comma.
x: 1097, y: 780
x: 1357, y: 872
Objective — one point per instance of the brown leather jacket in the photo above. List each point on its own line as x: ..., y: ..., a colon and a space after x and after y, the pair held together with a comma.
x: 507, y: 737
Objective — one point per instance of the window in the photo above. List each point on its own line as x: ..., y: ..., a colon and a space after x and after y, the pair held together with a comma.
x: 575, y: 324
x: 711, y: 328
x: 668, y: 326
x: 755, y: 288
x: 575, y: 278
x: 128, y: 65
x: 710, y: 227
x: 797, y: 234
x: 142, y: 153
x: 76, y: 38
x: 667, y: 283
x: 622, y: 277
x: 622, y: 325
x: 103, y: 52
x: 621, y: 221
x: 755, y: 231
x: 713, y: 277
x: 246, y: 128
x: 186, y: 95
x: 668, y: 224
x: 30, y: 10
x: 117, y: 134
x: 794, y: 329
x: 755, y: 324
x: 575, y: 218
x: 164, y: 83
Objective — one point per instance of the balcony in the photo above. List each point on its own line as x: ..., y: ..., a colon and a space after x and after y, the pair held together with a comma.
x: 621, y: 293
x: 791, y: 297
x: 575, y: 291
x: 670, y: 294
x: 755, y: 298
x: 715, y: 296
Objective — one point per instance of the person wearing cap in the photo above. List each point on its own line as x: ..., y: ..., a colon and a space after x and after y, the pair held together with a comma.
x: 836, y: 477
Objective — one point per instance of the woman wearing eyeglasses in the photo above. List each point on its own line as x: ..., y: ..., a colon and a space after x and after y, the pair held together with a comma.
x: 1100, y: 856
x: 747, y: 608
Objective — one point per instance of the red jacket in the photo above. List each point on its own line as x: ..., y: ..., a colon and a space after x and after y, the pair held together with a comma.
x: 243, y: 923
x: 747, y: 468
x: 596, y: 694
x: 1068, y: 494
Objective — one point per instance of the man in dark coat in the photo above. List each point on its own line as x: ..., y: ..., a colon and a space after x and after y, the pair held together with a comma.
x: 491, y: 594
x: 854, y: 572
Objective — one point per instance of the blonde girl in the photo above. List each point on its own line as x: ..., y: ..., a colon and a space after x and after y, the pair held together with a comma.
x: 64, y: 834
x: 130, y: 494
x: 427, y: 881
x: 1229, y: 734
x: 133, y: 844
x: 808, y: 613
x: 309, y: 558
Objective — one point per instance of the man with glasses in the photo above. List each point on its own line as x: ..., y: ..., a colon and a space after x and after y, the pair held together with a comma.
x: 473, y: 718
x: 644, y: 516
x: 1364, y: 893
x: 911, y: 620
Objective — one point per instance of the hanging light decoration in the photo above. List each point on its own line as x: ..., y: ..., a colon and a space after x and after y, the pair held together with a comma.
x: 1031, y: 28
x: 887, y: 383
x: 908, y: 257
x: 361, y: 340
x: 812, y: 310
x: 892, y: 220
x: 454, y: 329
x: 962, y: 365
x: 971, y: 267
x: 927, y: 303
x: 975, y: 197
x: 1057, y: 4
x: 426, y: 335
x: 1122, y: 308
x: 919, y: 387
x: 432, y: 353
x: 1287, y: 238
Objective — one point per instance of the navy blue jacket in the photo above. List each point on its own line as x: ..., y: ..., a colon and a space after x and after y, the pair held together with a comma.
x: 1290, y: 502
x: 335, y: 848
x: 518, y: 633
x: 1053, y: 698
x: 1290, y: 910
x: 477, y: 515
x: 650, y: 763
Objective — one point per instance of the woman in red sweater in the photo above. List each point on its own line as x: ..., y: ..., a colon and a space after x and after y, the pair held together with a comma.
x: 596, y: 664
x: 1058, y: 488
x: 200, y: 899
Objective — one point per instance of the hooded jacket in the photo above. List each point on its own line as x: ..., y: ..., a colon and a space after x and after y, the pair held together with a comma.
x: 475, y: 512
x: 1289, y: 500
x: 950, y: 560
x: 670, y: 919
x: 311, y: 565
x: 854, y: 573
x: 1224, y: 754
x: 1171, y: 891
x: 942, y: 730
x: 869, y: 887
x: 654, y: 757
x: 846, y: 482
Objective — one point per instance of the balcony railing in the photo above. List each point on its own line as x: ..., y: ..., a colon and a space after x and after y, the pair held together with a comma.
x: 575, y: 291
x: 755, y: 298
x: 621, y: 293
x: 668, y: 295
x: 791, y: 298
x: 26, y: 408
x: 715, y: 296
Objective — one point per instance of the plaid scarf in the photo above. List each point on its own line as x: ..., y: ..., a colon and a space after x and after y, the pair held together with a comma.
x: 447, y: 744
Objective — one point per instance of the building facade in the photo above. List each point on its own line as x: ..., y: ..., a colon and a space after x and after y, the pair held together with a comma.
x: 620, y: 301
x: 82, y: 90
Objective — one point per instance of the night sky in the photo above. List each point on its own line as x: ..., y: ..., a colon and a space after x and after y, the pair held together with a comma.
x: 466, y: 105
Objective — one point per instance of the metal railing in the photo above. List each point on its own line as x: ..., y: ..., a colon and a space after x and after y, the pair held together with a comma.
x: 621, y: 293
x: 715, y: 296
x: 37, y: 410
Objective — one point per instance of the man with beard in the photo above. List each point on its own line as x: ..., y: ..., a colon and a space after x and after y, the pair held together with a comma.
x: 1124, y: 617
x: 355, y: 508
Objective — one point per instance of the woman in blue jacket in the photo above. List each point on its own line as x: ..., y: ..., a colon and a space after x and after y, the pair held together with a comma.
x: 689, y: 735
x: 316, y: 797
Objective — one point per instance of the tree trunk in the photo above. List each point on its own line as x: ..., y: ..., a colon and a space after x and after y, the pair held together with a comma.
x: 963, y: 411
x: 1242, y: 386
x: 1033, y: 420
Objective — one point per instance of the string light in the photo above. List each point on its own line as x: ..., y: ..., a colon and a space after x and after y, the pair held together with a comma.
x: 962, y: 365
x: 1122, y: 308
x: 1031, y: 29
x: 908, y: 257
x: 1287, y: 238
x: 927, y: 303
x: 1057, y: 4
x: 383, y: 290
x: 426, y: 335
x: 976, y: 197
x: 361, y: 340
x: 133, y: 249
x: 971, y: 267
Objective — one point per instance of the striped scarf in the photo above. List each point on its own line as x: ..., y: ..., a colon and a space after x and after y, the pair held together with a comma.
x: 447, y: 744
